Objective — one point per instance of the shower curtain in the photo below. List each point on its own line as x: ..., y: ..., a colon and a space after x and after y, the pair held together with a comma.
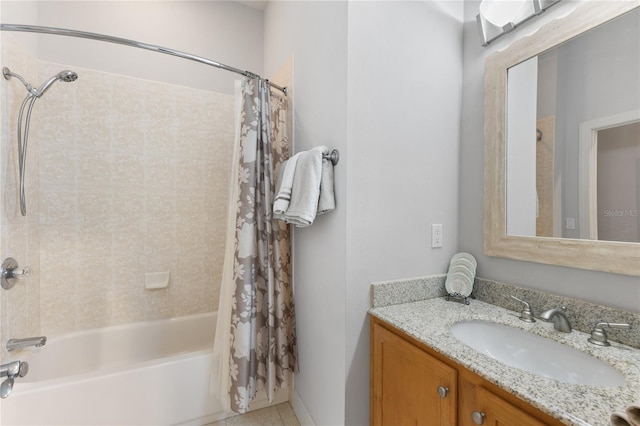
x: 255, y: 347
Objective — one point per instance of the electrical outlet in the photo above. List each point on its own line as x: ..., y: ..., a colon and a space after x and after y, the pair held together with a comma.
x: 436, y: 235
x: 570, y: 223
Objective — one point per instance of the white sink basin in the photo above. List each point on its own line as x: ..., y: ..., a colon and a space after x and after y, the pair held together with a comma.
x: 535, y: 354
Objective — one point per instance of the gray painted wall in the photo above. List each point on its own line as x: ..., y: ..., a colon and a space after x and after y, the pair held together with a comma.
x: 405, y: 73
x: 315, y: 33
x: 397, y: 68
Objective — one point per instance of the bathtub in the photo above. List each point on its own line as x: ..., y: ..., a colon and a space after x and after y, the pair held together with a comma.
x: 150, y: 373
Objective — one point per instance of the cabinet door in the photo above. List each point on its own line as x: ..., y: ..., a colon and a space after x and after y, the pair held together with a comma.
x: 405, y: 382
x: 498, y: 412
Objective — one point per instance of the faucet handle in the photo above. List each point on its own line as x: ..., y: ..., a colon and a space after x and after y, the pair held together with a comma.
x: 10, y: 273
x: 527, y: 314
x: 14, y: 369
x: 599, y: 336
x: 11, y: 371
x: 24, y: 369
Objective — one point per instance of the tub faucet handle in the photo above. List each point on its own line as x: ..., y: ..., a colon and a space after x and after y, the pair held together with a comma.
x: 11, y: 272
x: 527, y: 314
x: 6, y: 387
x: 11, y: 370
x: 24, y: 369
x: 14, y: 369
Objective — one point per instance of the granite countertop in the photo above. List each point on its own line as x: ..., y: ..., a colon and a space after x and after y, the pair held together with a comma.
x: 429, y: 320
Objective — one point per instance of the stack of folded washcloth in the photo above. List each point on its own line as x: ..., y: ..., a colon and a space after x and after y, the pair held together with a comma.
x: 629, y: 417
x: 305, y: 188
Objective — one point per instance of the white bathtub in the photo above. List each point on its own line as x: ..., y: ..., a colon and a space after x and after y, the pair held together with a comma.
x: 151, y: 373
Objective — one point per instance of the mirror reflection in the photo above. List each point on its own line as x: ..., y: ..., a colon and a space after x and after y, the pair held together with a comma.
x: 573, y: 139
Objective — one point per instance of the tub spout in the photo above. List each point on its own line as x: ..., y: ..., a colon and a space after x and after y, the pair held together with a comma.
x: 25, y: 343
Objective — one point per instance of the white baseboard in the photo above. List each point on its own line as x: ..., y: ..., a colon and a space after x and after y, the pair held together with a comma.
x: 302, y: 414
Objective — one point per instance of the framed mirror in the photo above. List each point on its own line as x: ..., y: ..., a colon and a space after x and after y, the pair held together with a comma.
x: 562, y: 142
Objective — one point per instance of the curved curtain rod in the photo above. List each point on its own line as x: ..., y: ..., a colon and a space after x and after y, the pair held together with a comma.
x: 131, y: 43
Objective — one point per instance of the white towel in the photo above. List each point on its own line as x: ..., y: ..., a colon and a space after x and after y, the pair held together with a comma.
x: 327, y: 201
x: 305, y: 191
x: 620, y: 418
x: 284, y: 186
x: 633, y: 413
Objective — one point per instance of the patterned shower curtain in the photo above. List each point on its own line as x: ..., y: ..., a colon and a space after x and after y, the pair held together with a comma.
x: 263, y: 349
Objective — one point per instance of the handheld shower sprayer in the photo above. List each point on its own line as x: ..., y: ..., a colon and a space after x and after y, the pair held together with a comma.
x: 66, y: 76
x: 28, y: 102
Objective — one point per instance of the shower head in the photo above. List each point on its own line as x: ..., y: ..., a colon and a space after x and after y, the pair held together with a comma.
x: 66, y: 76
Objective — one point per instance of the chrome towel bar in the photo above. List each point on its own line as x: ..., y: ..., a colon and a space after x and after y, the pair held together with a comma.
x: 333, y: 156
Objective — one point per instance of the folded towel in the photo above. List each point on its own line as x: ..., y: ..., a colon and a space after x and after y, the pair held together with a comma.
x: 620, y: 418
x: 327, y: 201
x: 305, y: 191
x: 284, y: 185
x: 633, y: 413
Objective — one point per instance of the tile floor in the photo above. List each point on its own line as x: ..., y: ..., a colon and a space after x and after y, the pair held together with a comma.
x: 277, y: 415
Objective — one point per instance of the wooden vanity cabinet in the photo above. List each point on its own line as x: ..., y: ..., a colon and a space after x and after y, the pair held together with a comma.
x: 409, y: 386
x: 408, y: 383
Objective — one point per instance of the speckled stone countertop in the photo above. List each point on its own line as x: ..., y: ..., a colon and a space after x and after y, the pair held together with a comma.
x: 429, y: 322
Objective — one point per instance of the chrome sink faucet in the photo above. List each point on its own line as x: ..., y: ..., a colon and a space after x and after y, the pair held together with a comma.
x: 559, y: 318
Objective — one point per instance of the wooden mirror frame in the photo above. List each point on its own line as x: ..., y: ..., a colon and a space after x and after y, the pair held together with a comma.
x: 608, y: 256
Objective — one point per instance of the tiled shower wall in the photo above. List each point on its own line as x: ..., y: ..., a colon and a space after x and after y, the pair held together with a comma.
x: 129, y: 176
x: 20, y: 305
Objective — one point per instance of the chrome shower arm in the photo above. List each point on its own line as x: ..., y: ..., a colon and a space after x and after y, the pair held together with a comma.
x: 6, y: 72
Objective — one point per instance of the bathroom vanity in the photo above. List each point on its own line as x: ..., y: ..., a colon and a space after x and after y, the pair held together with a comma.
x: 421, y: 373
x: 413, y: 384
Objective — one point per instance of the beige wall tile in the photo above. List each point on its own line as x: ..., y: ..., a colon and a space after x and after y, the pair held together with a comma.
x: 160, y: 173
x: 92, y: 310
x: 57, y: 168
x: 127, y: 172
x: 120, y: 183
x: 128, y: 239
x: 58, y: 205
x: 94, y: 205
x: 126, y: 306
x: 129, y: 137
x: 94, y: 239
x: 58, y: 273
x: 93, y: 170
x: 57, y: 311
x: 158, y: 304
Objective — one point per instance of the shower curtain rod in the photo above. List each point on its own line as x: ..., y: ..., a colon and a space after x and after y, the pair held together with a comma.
x: 132, y: 43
